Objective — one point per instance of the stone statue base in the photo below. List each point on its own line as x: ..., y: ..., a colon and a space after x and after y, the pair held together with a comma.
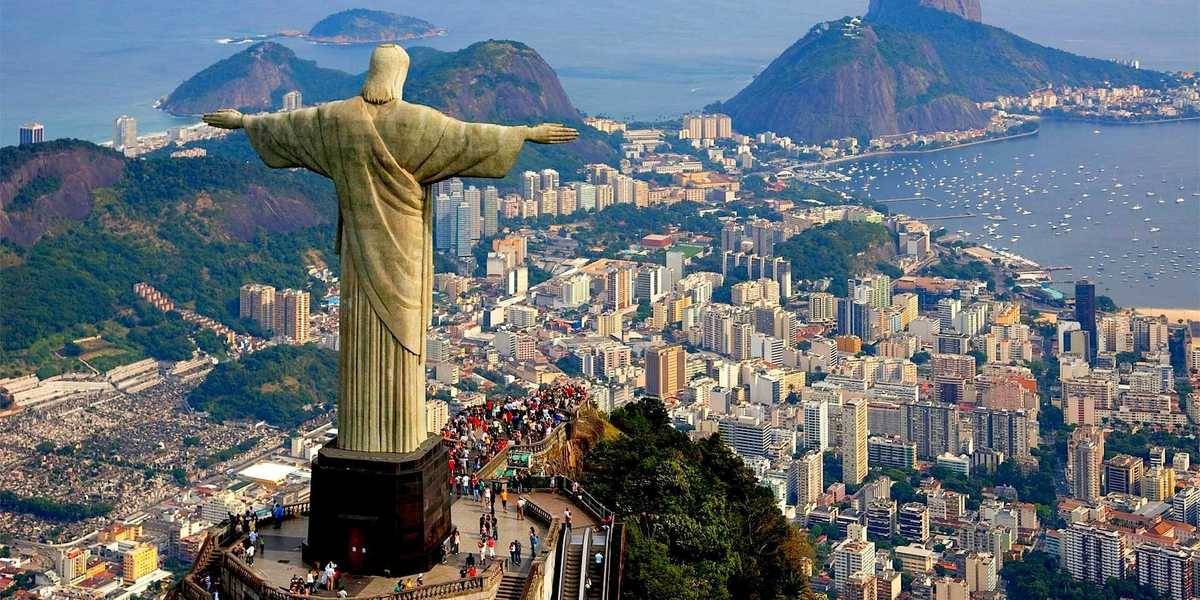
x: 378, y: 513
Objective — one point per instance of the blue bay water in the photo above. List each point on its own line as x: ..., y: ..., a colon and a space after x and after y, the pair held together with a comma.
x: 1118, y: 203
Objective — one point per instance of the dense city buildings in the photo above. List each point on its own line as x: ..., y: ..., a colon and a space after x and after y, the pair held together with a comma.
x: 922, y: 412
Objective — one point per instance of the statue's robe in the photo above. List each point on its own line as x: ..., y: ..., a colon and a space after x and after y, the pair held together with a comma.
x: 382, y: 160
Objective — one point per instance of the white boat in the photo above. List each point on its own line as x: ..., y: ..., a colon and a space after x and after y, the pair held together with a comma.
x: 1155, y: 230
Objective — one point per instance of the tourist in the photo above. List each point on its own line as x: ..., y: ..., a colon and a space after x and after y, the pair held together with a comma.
x: 310, y: 582
x: 491, y: 547
x: 504, y: 499
x: 330, y: 575
x: 250, y: 554
x: 520, y: 508
x: 533, y: 542
x: 454, y: 542
x: 567, y: 518
x: 512, y: 553
x: 277, y: 513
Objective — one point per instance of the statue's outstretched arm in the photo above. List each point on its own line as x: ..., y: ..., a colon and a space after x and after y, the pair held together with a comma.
x: 551, y: 133
x: 226, y: 118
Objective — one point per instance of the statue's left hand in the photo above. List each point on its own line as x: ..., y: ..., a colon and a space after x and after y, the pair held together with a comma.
x: 226, y: 118
x: 552, y: 133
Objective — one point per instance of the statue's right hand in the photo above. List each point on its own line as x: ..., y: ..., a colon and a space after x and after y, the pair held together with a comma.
x: 226, y: 118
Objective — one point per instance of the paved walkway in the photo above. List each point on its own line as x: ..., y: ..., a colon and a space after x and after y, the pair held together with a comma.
x: 281, y: 559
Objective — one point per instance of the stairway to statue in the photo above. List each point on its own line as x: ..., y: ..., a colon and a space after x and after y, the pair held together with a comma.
x: 572, y: 577
x: 511, y: 587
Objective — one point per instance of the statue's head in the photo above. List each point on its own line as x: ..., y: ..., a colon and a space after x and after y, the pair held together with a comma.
x: 385, y: 76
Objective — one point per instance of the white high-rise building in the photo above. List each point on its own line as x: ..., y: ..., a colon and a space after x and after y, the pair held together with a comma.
x: 491, y: 211
x: 464, y: 219
x: 674, y: 268
x: 293, y: 101
x: 1092, y: 554
x: 443, y: 217
x: 1170, y: 571
x: 124, y: 132
x: 576, y: 290
x: 531, y: 184
x: 650, y: 282
x: 549, y: 179
x: 474, y: 198
x: 852, y: 556
x: 806, y: 479
x: 816, y: 425
x: 585, y: 195
x: 947, y: 312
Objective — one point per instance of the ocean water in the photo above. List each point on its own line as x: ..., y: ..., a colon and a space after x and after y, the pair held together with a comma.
x: 77, y: 65
x: 1118, y: 203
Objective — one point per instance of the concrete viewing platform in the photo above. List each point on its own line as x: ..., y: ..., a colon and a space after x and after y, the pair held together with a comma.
x: 281, y: 559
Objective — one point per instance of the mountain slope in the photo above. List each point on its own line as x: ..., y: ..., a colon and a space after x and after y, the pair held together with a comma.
x: 256, y: 79
x: 363, y: 26
x: 493, y: 80
x: 42, y: 185
x: 970, y: 10
x: 194, y: 228
x: 905, y: 68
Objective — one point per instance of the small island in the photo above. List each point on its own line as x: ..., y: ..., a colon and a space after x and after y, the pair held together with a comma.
x: 364, y: 26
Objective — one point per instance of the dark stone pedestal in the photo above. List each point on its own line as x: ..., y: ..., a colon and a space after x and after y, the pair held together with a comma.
x: 377, y: 513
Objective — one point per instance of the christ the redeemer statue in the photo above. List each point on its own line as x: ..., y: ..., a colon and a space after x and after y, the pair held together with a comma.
x: 383, y: 154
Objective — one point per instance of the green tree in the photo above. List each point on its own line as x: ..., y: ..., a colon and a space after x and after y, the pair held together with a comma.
x: 699, y: 525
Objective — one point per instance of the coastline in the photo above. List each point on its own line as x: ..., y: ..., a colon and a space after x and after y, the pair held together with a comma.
x: 1174, y: 315
x: 1107, y: 122
x: 889, y: 153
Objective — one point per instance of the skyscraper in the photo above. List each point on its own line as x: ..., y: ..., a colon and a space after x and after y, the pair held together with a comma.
x: 549, y: 179
x: 124, y: 132
x: 443, y: 217
x: 1085, y: 464
x: 805, y: 479
x: 1167, y: 570
x: 665, y: 371
x: 474, y: 198
x: 1085, y: 313
x: 531, y: 184
x: 854, y: 438
x: 32, y: 133
x: 491, y: 211
x: 464, y: 217
x: 257, y: 303
x: 852, y: 556
x: 1092, y: 554
x: 816, y: 425
x: 291, y: 315
x: 292, y: 101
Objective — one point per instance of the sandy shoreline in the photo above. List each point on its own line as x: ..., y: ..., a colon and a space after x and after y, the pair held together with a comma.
x: 1172, y: 314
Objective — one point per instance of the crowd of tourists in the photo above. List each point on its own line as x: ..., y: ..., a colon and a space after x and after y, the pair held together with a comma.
x: 480, y: 432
